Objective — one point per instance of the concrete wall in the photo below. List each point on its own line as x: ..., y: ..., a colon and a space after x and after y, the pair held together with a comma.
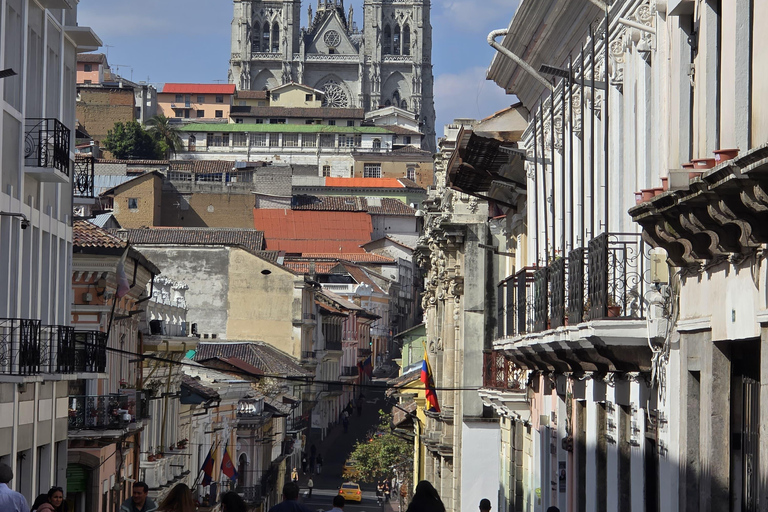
x: 148, y: 193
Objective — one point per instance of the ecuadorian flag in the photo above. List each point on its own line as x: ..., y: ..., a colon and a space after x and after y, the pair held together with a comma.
x: 429, y: 383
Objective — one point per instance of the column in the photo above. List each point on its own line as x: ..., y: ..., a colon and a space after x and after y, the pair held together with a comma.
x: 715, y: 423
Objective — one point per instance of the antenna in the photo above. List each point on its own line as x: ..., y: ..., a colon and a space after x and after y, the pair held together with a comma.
x: 108, y: 46
x: 117, y: 69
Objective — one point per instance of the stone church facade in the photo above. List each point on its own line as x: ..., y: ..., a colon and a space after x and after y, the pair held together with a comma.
x: 387, y: 63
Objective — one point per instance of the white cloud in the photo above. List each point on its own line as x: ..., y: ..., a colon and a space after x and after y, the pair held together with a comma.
x: 467, y: 94
x: 465, y: 16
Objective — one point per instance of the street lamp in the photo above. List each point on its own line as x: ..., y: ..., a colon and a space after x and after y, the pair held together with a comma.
x: 24, y: 219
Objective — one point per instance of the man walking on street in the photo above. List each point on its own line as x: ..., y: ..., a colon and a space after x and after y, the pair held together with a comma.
x: 139, y: 502
x: 10, y: 501
x: 290, y: 501
x: 310, y: 485
x: 338, y: 504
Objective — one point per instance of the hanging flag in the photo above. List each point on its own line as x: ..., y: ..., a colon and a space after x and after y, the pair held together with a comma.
x: 368, y: 366
x: 123, y: 285
x: 226, y: 464
x: 208, y: 467
x: 429, y: 384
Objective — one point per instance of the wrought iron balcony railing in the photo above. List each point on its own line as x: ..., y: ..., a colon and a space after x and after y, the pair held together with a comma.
x: 82, y: 184
x: 46, y: 144
x: 20, y: 348
x: 499, y: 372
x: 83, y: 352
x: 604, y: 280
x: 106, y: 412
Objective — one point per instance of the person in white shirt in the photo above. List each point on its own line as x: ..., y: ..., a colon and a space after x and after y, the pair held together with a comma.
x: 10, y: 500
x: 338, y: 504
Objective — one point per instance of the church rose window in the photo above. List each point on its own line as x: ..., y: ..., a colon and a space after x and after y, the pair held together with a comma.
x: 332, y: 39
x: 335, y: 97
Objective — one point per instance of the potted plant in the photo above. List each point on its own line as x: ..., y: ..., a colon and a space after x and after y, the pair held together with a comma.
x: 614, y: 310
x: 721, y: 155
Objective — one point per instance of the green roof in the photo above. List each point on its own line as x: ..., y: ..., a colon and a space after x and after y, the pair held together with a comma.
x: 280, y: 128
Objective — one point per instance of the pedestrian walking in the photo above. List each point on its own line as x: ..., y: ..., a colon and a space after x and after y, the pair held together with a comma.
x: 10, y: 501
x: 294, y: 476
x: 232, y: 502
x: 386, y: 491
x: 426, y: 499
x: 345, y: 422
x: 179, y: 499
x: 52, y: 501
x: 139, y: 502
x: 379, y: 493
x: 290, y: 501
x: 338, y: 504
x: 319, y: 463
x: 310, y: 485
x: 485, y: 505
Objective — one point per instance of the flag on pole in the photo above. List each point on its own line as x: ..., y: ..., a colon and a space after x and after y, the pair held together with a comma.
x: 226, y: 464
x: 208, y: 467
x: 429, y: 384
x: 123, y: 285
x: 368, y: 366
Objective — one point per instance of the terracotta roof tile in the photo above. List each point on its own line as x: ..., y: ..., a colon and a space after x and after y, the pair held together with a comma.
x: 401, y: 130
x: 250, y: 239
x: 252, y: 95
x: 198, y: 387
x: 198, y: 89
x: 396, y: 183
x: 131, y: 162
x: 304, y: 267
x: 85, y: 234
x: 387, y: 206
x: 91, y: 57
x: 317, y: 232
x: 364, y: 257
x: 266, y: 358
x: 202, y: 166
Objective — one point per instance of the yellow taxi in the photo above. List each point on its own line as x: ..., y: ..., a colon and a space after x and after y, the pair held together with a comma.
x: 351, y: 492
x: 350, y: 471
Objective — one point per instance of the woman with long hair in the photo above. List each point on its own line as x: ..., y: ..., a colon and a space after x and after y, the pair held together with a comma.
x: 53, y: 501
x: 178, y: 500
x: 426, y: 499
x: 232, y: 502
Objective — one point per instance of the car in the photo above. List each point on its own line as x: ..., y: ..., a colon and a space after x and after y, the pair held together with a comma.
x: 350, y: 470
x: 351, y: 492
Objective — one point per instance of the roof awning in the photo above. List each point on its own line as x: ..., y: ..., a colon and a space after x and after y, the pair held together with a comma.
x: 84, y: 38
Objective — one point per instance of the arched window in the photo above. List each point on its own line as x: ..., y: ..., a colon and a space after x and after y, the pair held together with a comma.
x: 387, y: 103
x: 192, y: 143
x: 404, y: 105
x: 265, y: 37
x: 275, y: 38
x: 386, y: 42
x: 396, y: 99
x: 376, y: 143
x: 406, y: 40
x: 256, y: 43
x: 396, y: 41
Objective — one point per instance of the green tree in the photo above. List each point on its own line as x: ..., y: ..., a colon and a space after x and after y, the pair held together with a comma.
x: 383, y: 454
x: 165, y: 133
x: 130, y: 141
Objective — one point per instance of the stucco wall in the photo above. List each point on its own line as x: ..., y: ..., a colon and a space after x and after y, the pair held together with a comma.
x: 207, y: 210
x: 263, y: 302
x: 479, y: 473
x: 396, y: 167
x: 148, y: 193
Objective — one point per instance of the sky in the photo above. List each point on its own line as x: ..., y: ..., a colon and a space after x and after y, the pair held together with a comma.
x: 189, y: 41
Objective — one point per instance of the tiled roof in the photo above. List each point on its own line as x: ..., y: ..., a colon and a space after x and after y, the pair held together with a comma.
x: 258, y: 354
x: 85, y: 234
x: 393, y: 240
x: 202, y: 166
x: 251, y: 239
x: 329, y: 309
x: 195, y: 385
x: 385, y: 206
x: 198, y: 89
x: 361, y: 276
x: 401, y: 130
x: 279, y: 406
x: 396, y: 183
x: 304, y: 267
x: 318, y: 232
x: 364, y: 257
x: 252, y: 95
x: 91, y: 57
x: 410, y: 376
x: 306, y: 112
x: 131, y: 162
x: 412, y: 150
x: 238, y: 364
x: 403, y: 415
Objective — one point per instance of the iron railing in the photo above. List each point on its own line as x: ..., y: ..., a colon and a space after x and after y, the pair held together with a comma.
x: 308, y: 354
x: 604, y: 280
x: 83, y: 177
x: 46, y: 144
x: 83, y: 352
x: 106, y: 412
x: 500, y: 372
x: 20, y: 349
x: 349, y: 371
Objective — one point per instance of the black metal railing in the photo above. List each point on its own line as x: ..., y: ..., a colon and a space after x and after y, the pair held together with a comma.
x: 500, y: 372
x: 82, y: 352
x: 83, y: 177
x: 349, y: 371
x: 106, y: 412
x: 20, y: 350
x: 46, y: 144
x: 307, y: 354
x: 604, y: 280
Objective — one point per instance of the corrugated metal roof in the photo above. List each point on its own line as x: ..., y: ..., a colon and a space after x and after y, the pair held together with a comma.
x: 316, y: 232
x: 307, y: 112
x: 104, y: 182
x: 198, y: 89
x: 101, y: 219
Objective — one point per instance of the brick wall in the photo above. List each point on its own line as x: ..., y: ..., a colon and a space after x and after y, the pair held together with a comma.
x: 219, y: 210
x: 98, y: 109
x: 425, y: 174
x: 147, y: 191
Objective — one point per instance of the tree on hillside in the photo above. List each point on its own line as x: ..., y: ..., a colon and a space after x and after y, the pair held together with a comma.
x: 383, y: 454
x: 164, y: 132
x: 129, y: 140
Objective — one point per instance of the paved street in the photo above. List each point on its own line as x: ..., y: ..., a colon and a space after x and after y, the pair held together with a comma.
x: 335, y: 449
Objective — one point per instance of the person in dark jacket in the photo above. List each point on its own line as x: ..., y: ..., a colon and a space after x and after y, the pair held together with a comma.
x: 139, y: 502
x: 426, y: 499
x: 290, y: 501
x: 232, y: 502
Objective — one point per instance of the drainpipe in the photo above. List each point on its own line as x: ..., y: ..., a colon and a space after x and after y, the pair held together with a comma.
x: 520, y: 62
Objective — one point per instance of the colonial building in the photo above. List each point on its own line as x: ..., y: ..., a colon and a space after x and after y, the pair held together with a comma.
x: 387, y: 63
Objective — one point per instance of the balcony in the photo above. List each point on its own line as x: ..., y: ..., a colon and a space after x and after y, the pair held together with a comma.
x: 333, y: 345
x: 349, y: 371
x: 106, y: 412
x: 603, y: 281
x: 46, y: 149
x: 82, y: 352
x: 500, y: 372
x: 82, y: 182
x: 20, y: 347
x: 308, y: 355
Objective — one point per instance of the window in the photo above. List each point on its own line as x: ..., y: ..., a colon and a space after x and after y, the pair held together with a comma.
x: 346, y: 141
x: 309, y: 121
x: 218, y: 139
x: 396, y: 40
x: 219, y: 98
x: 137, y: 112
x: 350, y: 123
x: 219, y: 113
x: 290, y: 140
x: 318, y: 97
x: 331, y: 122
x: 238, y: 120
x: 259, y: 140
x: 309, y: 97
x: 275, y: 38
x: 386, y: 44
x: 275, y: 96
x: 256, y: 43
x: 376, y: 143
x: 407, y: 139
x: 133, y: 203
x: 326, y: 171
x: 179, y: 98
x: 372, y: 171
x: 201, y: 99
x: 276, y: 121
x: 258, y: 121
x: 410, y: 174
x: 406, y: 40
x: 265, y: 37
x: 201, y: 113
x: 358, y: 141
x: 88, y: 68
x: 274, y: 140
x: 240, y: 139
x: 178, y: 112
x: 327, y: 140
x: 309, y: 140
x: 88, y: 82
